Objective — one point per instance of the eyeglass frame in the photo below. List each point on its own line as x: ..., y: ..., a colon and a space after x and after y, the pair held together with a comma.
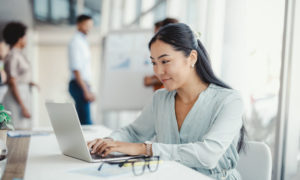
x: 147, y: 160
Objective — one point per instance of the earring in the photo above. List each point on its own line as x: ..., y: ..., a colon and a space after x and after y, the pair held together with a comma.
x: 193, y: 65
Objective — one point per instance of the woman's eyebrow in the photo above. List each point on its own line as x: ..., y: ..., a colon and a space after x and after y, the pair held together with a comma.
x: 159, y: 56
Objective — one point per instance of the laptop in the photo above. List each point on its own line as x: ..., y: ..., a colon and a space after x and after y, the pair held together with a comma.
x: 68, y: 132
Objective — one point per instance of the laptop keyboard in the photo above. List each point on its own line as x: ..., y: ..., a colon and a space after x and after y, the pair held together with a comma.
x: 96, y: 156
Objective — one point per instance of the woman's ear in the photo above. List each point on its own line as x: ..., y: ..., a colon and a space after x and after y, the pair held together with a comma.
x: 193, y: 57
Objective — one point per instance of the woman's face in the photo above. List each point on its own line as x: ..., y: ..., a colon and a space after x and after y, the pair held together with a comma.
x: 23, y: 41
x: 171, y: 67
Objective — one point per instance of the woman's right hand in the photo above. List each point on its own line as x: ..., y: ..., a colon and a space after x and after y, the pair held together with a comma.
x: 96, y: 143
x: 25, y: 112
x: 103, y: 147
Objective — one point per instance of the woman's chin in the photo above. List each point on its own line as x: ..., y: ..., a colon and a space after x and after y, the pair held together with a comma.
x: 169, y: 88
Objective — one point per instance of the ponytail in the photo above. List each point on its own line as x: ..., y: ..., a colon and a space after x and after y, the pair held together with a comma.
x: 204, y: 69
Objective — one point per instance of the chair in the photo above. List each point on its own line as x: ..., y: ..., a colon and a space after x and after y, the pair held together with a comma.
x: 256, y: 162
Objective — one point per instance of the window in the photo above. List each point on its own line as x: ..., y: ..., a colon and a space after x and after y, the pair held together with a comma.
x: 61, y: 12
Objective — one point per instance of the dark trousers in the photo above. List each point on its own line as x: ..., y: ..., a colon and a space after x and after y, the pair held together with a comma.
x: 82, y: 106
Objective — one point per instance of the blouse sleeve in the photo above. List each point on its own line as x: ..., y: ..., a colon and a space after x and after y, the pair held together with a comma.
x: 206, y: 153
x: 140, y: 130
x: 11, y: 66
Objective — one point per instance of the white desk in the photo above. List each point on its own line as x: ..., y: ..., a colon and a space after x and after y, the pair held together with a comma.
x: 45, y: 161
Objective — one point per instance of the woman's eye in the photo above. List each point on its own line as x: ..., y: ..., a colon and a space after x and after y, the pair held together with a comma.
x: 153, y: 63
x: 164, y: 61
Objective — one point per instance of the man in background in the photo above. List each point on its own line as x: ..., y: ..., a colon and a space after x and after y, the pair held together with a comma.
x: 80, y: 67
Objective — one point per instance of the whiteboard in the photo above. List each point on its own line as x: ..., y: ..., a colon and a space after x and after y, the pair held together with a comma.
x: 125, y: 64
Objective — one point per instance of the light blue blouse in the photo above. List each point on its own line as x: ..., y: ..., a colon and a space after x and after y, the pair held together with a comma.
x: 208, y: 138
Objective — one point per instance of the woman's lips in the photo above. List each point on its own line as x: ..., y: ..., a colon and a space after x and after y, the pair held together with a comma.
x: 164, y: 80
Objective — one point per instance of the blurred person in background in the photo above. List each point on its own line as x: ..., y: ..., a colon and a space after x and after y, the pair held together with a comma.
x: 18, y: 69
x: 3, y: 76
x: 80, y: 67
x: 153, y: 80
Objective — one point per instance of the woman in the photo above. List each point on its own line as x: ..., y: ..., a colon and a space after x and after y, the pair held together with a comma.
x: 3, y: 76
x: 196, y: 120
x: 153, y: 80
x: 18, y: 68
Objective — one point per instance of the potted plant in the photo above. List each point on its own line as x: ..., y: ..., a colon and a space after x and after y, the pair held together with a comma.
x: 5, y: 123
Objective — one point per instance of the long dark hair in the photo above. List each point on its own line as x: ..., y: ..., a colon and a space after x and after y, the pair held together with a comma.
x: 181, y: 38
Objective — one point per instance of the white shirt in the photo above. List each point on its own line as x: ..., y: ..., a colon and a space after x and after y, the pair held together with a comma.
x: 80, y: 56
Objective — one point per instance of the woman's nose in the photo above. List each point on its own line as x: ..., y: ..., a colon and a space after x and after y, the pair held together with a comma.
x: 159, y: 70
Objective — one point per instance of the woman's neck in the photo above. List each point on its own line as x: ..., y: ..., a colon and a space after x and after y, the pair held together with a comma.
x: 191, y: 90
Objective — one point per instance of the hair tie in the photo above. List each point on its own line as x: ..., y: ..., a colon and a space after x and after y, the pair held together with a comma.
x: 197, y: 35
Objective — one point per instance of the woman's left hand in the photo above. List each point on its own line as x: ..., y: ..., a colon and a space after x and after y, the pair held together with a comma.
x: 104, y: 147
x: 3, y: 77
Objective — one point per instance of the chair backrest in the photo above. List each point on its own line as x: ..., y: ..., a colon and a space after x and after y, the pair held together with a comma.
x: 255, y: 162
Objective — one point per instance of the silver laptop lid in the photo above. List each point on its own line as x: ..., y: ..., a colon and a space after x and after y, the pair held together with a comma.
x: 68, y: 130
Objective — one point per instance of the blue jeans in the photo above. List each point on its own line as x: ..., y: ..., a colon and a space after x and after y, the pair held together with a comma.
x: 82, y: 106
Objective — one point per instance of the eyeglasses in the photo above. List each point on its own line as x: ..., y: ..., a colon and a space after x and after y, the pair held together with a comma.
x: 138, y: 164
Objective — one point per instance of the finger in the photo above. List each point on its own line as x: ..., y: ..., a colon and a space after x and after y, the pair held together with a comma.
x: 108, y: 151
x: 91, y: 143
x: 107, y: 143
x: 101, y: 149
x: 94, y: 145
x: 88, y: 143
x: 98, y: 143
